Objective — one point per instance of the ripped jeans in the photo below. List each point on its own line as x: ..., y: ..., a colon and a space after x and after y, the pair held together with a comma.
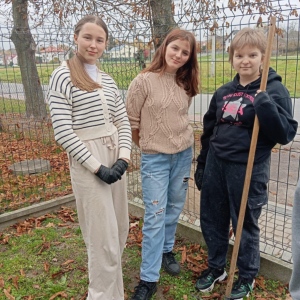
x: 165, y: 180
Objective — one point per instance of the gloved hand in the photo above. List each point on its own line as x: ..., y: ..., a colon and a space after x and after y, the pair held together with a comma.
x: 199, y: 175
x: 108, y: 175
x: 120, y: 166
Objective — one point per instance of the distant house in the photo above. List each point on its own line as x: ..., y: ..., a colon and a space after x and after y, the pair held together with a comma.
x: 123, y: 51
x: 52, y: 54
x: 2, y: 60
x: 11, y: 59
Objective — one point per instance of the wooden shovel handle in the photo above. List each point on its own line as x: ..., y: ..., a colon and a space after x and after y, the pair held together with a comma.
x: 239, y: 229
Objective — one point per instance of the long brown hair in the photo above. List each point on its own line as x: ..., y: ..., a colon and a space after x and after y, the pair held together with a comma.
x: 187, y: 76
x: 78, y: 74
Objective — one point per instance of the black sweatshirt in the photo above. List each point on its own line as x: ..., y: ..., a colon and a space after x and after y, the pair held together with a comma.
x: 229, y: 121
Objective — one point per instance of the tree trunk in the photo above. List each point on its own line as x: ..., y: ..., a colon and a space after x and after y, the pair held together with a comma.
x: 162, y: 20
x: 25, y: 47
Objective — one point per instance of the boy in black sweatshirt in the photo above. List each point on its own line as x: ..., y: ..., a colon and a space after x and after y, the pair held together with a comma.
x: 222, y: 163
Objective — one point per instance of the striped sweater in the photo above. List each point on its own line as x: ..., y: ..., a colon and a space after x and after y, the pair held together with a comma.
x: 80, y: 115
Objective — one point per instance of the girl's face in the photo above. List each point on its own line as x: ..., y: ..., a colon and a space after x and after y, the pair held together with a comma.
x: 91, y: 42
x: 177, y: 54
x: 246, y: 61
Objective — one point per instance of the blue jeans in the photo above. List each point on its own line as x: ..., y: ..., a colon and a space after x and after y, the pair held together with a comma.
x: 165, y: 182
x: 221, y: 195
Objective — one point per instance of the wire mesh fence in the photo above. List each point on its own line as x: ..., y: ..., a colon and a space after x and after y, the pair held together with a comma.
x: 25, y: 137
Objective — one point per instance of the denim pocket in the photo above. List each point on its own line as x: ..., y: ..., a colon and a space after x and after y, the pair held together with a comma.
x: 258, y: 192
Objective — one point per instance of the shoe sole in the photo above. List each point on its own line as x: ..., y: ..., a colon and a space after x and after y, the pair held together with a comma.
x: 209, y: 289
x: 245, y: 295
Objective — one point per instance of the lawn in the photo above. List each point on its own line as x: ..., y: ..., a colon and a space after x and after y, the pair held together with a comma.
x: 123, y: 73
x: 45, y: 258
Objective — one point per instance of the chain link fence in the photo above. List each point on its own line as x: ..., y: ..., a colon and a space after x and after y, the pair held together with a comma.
x: 24, y: 138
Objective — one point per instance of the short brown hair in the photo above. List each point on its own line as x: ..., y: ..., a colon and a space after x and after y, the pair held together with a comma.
x: 78, y: 74
x: 188, y: 75
x: 248, y: 36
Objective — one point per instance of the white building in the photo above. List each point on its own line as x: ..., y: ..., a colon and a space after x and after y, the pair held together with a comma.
x: 52, y: 54
x: 123, y: 51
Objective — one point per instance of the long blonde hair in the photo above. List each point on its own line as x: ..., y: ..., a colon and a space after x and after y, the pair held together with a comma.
x: 78, y: 74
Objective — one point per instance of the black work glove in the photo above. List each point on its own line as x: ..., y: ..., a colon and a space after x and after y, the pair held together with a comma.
x: 108, y: 175
x: 120, y: 166
x: 198, y: 176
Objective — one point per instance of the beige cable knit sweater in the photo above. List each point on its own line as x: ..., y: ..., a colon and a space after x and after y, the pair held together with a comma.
x: 158, y: 107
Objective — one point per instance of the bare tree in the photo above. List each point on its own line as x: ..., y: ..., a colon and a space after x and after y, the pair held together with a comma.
x: 25, y: 47
x: 112, y: 11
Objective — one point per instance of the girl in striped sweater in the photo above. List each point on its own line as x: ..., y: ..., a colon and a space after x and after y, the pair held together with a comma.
x: 90, y: 122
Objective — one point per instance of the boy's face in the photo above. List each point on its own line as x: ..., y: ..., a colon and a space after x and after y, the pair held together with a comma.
x: 246, y: 61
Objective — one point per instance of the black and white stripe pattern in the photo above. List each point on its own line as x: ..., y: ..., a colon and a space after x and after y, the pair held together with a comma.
x: 74, y: 111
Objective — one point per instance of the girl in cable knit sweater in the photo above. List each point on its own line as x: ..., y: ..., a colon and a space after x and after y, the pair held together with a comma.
x: 157, y: 104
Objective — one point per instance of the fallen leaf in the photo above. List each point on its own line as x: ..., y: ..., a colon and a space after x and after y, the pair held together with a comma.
x: 50, y: 225
x: 1, y: 282
x: 54, y: 259
x: 259, y: 281
x: 166, y: 289
x: 185, y: 297
x: 15, y: 282
x: 22, y: 272
x: 57, y: 294
x: 67, y: 262
x: 46, y: 266
x: 273, y: 193
x: 8, y: 295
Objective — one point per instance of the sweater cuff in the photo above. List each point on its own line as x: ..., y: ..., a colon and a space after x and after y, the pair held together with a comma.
x: 92, y: 164
x: 124, y: 153
x: 261, y: 98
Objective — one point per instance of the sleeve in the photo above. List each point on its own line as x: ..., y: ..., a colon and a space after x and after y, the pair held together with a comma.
x: 135, y: 100
x: 122, y: 123
x: 60, y: 104
x: 275, y: 117
x: 209, y: 122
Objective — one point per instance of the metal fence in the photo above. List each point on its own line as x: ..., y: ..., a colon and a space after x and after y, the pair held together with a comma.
x: 24, y: 138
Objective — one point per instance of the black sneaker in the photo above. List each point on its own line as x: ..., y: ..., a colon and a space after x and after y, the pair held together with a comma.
x: 206, y: 281
x: 144, y: 291
x: 241, y: 288
x: 170, y: 264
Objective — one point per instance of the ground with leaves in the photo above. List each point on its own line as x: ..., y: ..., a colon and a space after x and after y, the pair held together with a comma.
x: 45, y: 258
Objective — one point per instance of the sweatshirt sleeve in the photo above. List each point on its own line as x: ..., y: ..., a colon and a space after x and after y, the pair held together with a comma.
x: 275, y: 116
x: 122, y: 123
x: 209, y: 122
x: 60, y: 104
x: 135, y: 100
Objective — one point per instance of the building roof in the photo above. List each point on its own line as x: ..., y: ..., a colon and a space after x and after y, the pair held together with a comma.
x: 51, y: 49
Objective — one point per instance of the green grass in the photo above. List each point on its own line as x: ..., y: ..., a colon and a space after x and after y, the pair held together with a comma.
x: 124, y: 73
x: 11, y: 106
x: 23, y: 253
